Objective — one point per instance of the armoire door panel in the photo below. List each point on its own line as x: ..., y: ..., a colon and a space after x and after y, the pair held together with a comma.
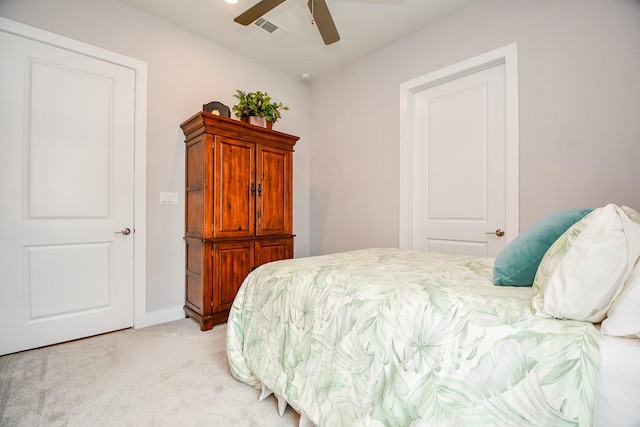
x: 234, y: 188
x: 274, y: 198
x: 273, y: 250
x: 231, y: 264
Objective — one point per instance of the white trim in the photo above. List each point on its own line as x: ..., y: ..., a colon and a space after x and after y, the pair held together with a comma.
x: 140, y: 200
x: 512, y: 133
x: 165, y: 315
x: 507, y: 55
x: 140, y: 147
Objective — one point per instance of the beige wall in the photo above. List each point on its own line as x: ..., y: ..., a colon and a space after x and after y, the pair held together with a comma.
x: 184, y: 71
x: 579, y: 68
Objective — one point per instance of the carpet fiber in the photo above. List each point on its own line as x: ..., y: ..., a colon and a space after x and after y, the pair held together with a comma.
x: 165, y: 375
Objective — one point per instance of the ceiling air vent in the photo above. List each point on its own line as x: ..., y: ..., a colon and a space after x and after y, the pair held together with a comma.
x: 267, y: 25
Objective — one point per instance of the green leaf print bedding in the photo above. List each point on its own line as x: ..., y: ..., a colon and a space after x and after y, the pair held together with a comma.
x: 389, y: 337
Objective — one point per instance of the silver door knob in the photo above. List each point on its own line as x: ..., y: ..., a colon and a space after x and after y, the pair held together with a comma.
x: 499, y: 232
x: 125, y: 231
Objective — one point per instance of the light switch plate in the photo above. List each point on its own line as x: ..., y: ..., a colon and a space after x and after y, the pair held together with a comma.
x: 168, y: 198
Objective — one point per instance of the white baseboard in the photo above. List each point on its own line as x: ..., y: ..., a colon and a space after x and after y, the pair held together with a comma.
x: 161, y: 316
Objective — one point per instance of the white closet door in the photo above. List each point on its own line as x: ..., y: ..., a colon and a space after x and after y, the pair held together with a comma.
x: 66, y: 194
x: 459, y: 164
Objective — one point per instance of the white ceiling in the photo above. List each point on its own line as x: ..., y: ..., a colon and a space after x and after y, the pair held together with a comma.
x: 297, y: 48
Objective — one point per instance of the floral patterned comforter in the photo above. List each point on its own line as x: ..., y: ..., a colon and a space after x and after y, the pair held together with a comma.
x: 388, y: 337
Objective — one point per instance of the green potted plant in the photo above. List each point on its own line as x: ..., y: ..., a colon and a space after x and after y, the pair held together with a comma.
x: 257, y: 108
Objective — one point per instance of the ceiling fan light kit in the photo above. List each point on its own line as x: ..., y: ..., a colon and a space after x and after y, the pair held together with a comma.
x: 320, y: 14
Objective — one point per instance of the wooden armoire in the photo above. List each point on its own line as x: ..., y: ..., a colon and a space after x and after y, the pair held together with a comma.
x: 238, y: 209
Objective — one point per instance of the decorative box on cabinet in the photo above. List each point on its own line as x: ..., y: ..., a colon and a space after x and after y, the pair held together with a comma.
x: 238, y: 209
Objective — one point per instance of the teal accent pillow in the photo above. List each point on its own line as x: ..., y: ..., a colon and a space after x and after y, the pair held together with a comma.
x: 517, y: 263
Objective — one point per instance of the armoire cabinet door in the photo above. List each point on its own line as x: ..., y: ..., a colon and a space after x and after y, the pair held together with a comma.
x: 234, y: 188
x: 274, y: 191
x: 233, y: 261
x: 231, y: 264
x: 273, y: 250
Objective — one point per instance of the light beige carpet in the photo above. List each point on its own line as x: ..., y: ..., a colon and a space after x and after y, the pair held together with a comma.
x: 165, y: 375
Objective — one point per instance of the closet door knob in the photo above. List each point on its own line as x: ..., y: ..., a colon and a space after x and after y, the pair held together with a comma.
x: 125, y: 231
x: 499, y: 232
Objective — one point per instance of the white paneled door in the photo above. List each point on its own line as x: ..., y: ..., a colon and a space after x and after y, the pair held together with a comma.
x: 66, y: 194
x: 461, y: 181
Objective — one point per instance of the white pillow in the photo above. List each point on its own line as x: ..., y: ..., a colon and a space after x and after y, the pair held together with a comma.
x: 623, y: 318
x: 632, y: 214
x: 586, y: 268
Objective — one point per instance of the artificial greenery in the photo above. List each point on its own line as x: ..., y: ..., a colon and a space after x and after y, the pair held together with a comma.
x: 257, y: 104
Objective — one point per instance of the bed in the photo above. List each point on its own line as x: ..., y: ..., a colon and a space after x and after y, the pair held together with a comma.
x: 390, y: 337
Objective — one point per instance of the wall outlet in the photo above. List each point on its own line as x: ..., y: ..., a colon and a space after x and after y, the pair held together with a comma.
x: 168, y: 198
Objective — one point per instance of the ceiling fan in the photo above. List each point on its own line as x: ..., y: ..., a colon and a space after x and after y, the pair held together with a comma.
x: 319, y: 11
